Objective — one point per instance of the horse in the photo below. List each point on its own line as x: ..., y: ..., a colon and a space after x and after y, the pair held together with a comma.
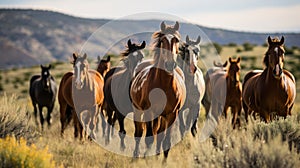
x: 43, y: 90
x: 234, y: 91
x: 206, y: 100
x: 194, y: 82
x: 116, y: 89
x: 223, y: 90
x: 103, y: 67
x: 80, y: 96
x: 273, y: 90
x: 158, y: 92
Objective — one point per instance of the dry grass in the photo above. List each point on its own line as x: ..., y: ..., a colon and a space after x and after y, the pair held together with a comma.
x: 254, y: 145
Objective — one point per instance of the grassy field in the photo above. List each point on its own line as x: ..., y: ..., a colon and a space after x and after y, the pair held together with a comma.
x: 254, y: 145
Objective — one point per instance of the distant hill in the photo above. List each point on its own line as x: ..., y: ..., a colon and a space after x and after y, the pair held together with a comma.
x: 31, y: 37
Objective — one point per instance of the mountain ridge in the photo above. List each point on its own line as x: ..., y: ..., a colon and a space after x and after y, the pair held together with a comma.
x: 30, y: 37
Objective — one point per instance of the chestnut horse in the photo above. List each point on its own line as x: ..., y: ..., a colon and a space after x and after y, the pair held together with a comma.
x: 43, y: 92
x: 116, y: 89
x: 194, y: 82
x: 234, y: 91
x: 80, y: 96
x: 272, y: 91
x: 158, y: 92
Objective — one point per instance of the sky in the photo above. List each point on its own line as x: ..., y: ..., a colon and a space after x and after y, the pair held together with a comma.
x: 242, y: 15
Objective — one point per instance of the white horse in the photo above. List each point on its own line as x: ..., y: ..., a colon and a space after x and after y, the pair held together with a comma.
x: 195, y: 85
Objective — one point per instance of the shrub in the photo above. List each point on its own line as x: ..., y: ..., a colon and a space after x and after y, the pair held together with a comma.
x: 13, y: 119
x: 218, y: 47
x: 18, y: 154
x: 248, y: 47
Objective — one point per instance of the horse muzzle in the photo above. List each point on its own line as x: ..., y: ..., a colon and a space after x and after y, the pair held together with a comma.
x: 78, y: 84
x: 170, y: 65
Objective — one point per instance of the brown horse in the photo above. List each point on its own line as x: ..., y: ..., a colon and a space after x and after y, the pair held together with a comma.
x: 272, y: 91
x: 103, y: 67
x: 234, y: 91
x: 158, y: 92
x: 80, y: 95
x: 116, y: 89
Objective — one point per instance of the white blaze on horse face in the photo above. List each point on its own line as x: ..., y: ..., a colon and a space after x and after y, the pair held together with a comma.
x: 276, y: 50
x: 77, y: 80
x: 277, y: 69
x: 135, y: 53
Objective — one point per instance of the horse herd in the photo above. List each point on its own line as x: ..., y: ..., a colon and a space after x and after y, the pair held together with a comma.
x: 160, y: 90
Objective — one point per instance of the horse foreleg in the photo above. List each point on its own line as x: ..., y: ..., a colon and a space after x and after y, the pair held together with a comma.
x: 181, y: 122
x: 41, y: 116
x: 225, y: 110
x: 49, y: 115
x: 122, y: 132
x: 138, y: 124
x: 167, y: 140
x: 193, y: 118
x: 109, y: 112
x: 35, y: 113
x: 103, y: 122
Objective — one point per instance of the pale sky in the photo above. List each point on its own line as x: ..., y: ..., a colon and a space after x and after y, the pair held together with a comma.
x: 243, y: 15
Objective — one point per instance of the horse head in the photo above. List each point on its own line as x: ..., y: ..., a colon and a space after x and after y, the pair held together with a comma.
x: 167, y: 46
x: 234, y: 70
x: 191, y: 54
x: 274, y: 57
x: 133, y: 54
x: 46, y: 77
x: 103, y: 65
x: 81, y: 67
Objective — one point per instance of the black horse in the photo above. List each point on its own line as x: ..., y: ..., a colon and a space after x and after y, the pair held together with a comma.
x: 43, y: 91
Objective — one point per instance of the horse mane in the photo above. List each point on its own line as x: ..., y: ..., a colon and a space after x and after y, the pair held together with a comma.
x: 157, y: 39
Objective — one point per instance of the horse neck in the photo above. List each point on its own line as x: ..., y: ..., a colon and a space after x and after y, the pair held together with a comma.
x: 88, y: 82
x: 231, y: 84
x: 271, y: 79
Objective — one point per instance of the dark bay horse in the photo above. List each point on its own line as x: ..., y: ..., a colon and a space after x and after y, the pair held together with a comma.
x: 42, y: 92
x: 194, y: 82
x: 80, y: 96
x: 272, y: 91
x: 103, y: 67
x: 158, y: 92
x: 117, y: 86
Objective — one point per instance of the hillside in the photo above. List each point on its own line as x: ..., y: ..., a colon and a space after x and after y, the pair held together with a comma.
x: 31, y: 37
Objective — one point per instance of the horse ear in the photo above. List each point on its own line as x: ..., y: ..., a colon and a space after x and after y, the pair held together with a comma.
x: 282, y: 40
x: 74, y: 56
x: 143, y: 45
x: 163, y: 26
x: 176, y: 26
x: 238, y: 60
x: 230, y: 60
x: 49, y: 67
x: 108, y: 58
x: 129, y: 43
x: 41, y: 66
x: 98, y: 58
x: 84, y: 56
x: 187, y: 39
x: 225, y: 64
x: 198, y: 40
x: 269, y: 40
